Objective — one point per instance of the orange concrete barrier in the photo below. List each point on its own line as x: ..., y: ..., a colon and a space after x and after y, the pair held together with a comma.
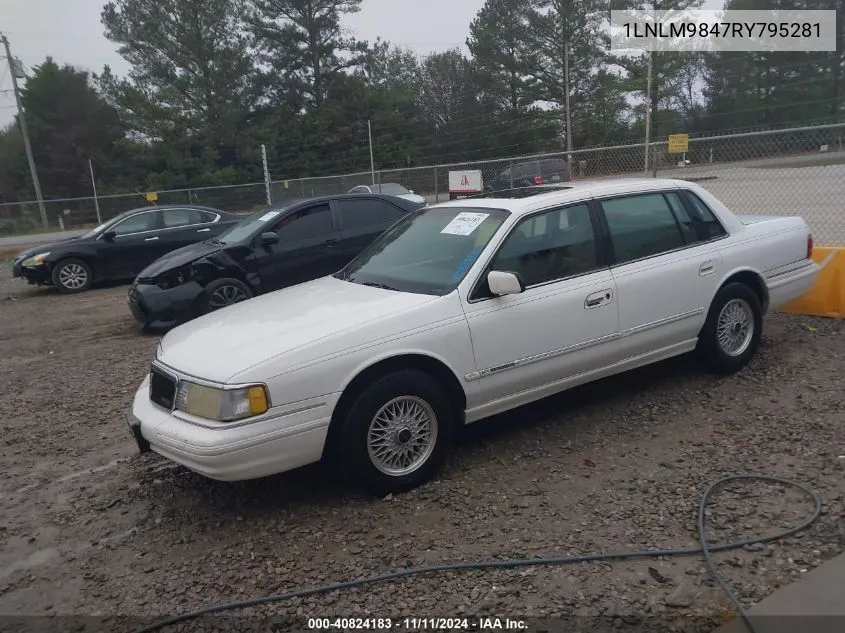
x: 825, y: 298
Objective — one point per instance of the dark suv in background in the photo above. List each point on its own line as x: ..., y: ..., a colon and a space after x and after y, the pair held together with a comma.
x: 527, y: 174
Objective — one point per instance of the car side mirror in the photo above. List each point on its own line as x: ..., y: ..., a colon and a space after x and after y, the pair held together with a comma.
x: 109, y: 236
x: 269, y: 238
x: 410, y: 191
x: 502, y: 283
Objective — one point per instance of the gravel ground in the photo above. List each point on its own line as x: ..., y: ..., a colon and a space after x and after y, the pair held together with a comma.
x: 89, y: 528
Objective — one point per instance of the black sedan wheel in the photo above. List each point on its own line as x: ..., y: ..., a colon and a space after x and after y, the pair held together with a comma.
x: 72, y: 275
x: 225, y: 292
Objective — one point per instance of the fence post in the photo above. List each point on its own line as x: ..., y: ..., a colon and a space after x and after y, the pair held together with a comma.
x: 266, y: 174
x: 436, y: 188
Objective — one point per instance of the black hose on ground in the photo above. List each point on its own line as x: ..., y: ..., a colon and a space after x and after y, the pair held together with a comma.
x: 706, y: 549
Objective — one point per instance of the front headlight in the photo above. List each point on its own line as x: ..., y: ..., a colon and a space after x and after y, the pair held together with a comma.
x: 224, y: 405
x: 173, y: 278
x: 35, y: 260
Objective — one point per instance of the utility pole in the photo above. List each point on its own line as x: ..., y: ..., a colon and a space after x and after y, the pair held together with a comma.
x: 94, y: 187
x: 568, y: 111
x: 13, y: 71
x: 372, y: 162
x: 266, y: 175
x: 648, y: 110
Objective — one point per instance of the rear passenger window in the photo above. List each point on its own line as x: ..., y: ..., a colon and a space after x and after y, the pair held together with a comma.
x: 641, y: 226
x: 181, y: 217
x: 712, y: 227
x: 685, y: 221
x: 367, y: 212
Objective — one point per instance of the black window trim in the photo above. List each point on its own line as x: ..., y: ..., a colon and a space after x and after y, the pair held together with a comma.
x: 613, y: 263
x: 602, y: 256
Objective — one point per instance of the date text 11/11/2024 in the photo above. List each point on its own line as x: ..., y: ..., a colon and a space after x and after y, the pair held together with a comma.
x: 416, y: 624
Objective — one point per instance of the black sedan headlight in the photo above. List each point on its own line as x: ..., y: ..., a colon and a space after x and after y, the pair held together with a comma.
x: 174, y: 278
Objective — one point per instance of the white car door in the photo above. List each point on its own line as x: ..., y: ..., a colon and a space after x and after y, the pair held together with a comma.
x: 565, y: 321
x: 665, y: 273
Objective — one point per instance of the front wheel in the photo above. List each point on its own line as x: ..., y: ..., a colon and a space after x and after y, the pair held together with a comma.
x: 222, y: 293
x: 731, y: 334
x: 72, y: 275
x: 397, y: 432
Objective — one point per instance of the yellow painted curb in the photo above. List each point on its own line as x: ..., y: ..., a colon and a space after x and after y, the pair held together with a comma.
x: 825, y: 298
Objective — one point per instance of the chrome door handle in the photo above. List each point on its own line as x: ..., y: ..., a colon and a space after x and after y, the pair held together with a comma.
x: 151, y: 239
x: 203, y: 230
x: 598, y: 299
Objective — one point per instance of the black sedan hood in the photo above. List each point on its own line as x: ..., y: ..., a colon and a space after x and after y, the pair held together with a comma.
x: 46, y: 247
x: 180, y: 257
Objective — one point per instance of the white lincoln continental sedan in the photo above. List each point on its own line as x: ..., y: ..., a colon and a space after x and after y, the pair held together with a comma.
x: 460, y: 311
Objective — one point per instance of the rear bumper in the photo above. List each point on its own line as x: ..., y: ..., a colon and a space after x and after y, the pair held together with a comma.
x: 155, y: 308
x: 787, y: 285
x: 291, y: 438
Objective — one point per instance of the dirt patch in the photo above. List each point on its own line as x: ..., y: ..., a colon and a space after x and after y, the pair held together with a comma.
x: 89, y: 527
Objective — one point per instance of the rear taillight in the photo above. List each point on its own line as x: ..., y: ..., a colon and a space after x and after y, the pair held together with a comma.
x: 538, y: 180
x: 809, y: 247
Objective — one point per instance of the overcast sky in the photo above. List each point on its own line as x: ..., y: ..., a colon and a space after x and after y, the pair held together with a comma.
x: 70, y: 32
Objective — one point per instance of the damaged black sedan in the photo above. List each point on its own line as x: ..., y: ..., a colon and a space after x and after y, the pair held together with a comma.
x: 282, y: 246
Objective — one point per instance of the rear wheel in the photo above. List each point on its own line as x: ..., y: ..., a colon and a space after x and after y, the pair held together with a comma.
x: 397, y: 433
x: 731, y: 334
x: 222, y: 293
x: 72, y: 275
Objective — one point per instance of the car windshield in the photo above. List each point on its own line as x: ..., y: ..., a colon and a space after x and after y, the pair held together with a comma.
x: 391, y: 189
x: 249, y: 225
x: 427, y: 252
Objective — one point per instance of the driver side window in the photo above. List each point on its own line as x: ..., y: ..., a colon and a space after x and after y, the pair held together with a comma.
x: 140, y: 223
x: 309, y: 223
x: 550, y: 246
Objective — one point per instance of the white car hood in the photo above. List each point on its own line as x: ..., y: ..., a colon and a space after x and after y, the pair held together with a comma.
x: 222, y: 344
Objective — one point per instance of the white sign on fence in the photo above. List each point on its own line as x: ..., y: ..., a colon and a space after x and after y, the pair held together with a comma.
x: 465, y: 181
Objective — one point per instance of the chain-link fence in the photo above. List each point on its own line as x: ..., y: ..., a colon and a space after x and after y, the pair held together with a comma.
x: 796, y: 171
x: 80, y: 213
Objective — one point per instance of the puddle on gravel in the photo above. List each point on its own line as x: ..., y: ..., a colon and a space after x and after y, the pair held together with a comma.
x: 46, y: 555
x: 96, y: 469
x: 36, y: 559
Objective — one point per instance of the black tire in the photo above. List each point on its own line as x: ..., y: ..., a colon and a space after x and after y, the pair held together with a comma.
x: 72, y: 275
x: 716, y: 357
x: 353, y: 440
x: 218, y: 290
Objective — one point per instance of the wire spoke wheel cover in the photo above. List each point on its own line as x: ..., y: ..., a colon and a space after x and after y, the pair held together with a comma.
x: 73, y: 276
x: 402, y: 436
x: 735, y: 327
x: 225, y: 296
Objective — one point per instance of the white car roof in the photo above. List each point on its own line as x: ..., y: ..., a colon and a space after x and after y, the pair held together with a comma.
x: 569, y: 192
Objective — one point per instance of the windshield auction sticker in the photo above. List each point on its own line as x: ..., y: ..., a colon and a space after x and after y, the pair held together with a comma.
x: 465, y: 223
x: 268, y: 216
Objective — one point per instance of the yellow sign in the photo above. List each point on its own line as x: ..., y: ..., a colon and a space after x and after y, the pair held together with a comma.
x: 678, y: 143
x: 286, y: 185
x: 152, y: 196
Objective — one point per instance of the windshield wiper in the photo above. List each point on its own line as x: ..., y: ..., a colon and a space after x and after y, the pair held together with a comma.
x: 214, y: 240
x: 373, y: 284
